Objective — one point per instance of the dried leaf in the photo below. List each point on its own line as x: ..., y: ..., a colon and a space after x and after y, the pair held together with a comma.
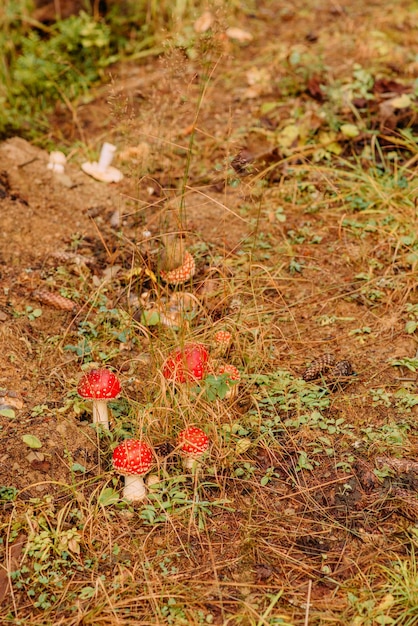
x: 314, y: 88
x: 350, y: 130
x: 263, y: 571
x: 400, y: 102
x: 41, y: 466
x: 15, y: 552
x: 386, y: 85
x: 243, y: 445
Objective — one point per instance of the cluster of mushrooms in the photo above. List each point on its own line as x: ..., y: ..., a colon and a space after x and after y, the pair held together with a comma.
x: 133, y: 458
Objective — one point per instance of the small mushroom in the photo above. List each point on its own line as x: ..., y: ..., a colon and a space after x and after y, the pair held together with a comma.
x: 222, y: 342
x: 99, y: 385
x: 57, y: 161
x: 189, y: 363
x: 133, y: 459
x: 181, y: 274
x: 193, y: 442
x: 223, y: 338
x: 102, y: 170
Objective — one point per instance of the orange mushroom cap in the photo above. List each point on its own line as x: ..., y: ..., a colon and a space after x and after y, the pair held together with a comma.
x: 230, y: 370
x: 223, y: 337
x: 180, y: 274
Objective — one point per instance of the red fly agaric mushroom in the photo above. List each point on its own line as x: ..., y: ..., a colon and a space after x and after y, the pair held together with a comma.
x: 223, y: 338
x: 133, y: 459
x: 180, y: 274
x: 193, y: 444
x: 99, y: 385
x: 232, y: 375
x: 186, y: 364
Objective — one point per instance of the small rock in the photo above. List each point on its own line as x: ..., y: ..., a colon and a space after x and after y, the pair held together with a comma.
x: 238, y: 34
x: 204, y: 22
x: 35, y: 456
x: 62, y: 428
x: 10, y: 400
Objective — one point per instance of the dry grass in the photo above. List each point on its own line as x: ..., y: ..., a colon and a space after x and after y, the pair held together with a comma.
x: 290, y: 519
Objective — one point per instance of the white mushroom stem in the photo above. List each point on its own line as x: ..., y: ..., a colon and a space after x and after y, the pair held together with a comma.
x: 106, y: 156
x: 100, y: 413
x: 191, y: 462
x: 232, y: 391
x: 134, y: 489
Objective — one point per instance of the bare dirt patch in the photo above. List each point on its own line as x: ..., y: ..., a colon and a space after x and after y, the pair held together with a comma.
x: 304, y: 238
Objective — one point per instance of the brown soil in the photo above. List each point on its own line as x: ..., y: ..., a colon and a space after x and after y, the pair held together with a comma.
x: 150, y: 109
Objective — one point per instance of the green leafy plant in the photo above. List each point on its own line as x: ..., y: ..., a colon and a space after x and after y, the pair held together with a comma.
x: 315, y: 419
x: 8, y: 494
x: 173, y: 498
x: 214, y: 387
x: 411, y: 363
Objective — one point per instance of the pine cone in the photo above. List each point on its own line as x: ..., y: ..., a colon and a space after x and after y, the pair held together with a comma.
x: 241, y: 162
x: 71, y: 257
x: 342, y: 368
x: 319, y: 365
x: 164, y: 449
x: 54, y: 300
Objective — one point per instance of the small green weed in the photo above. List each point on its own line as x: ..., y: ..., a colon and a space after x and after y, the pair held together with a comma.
x: 173, y: 497
x: 214, y: 387
x: 411, y: 363
x: 7, y: 494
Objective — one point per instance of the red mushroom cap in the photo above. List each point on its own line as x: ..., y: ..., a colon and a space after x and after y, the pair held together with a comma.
x: 132, y: 457
x: 230, y: 370
x: 187, y: 363
x: 100, y: 384
x: 223, y: 337
x: 194, y: 441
